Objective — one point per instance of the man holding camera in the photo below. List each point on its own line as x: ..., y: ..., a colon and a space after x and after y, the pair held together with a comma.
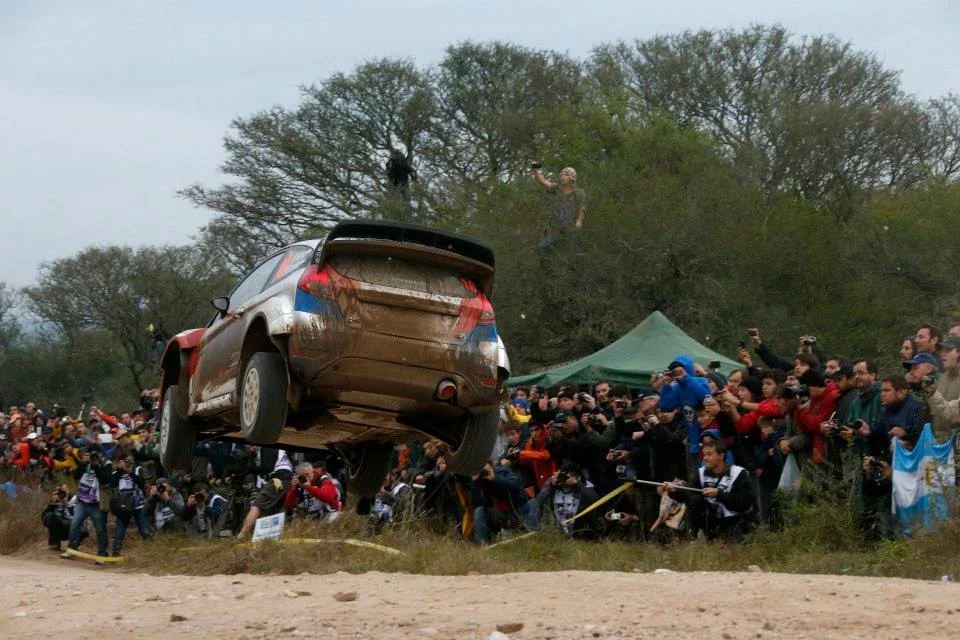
x: 567, y: 495
x: 128, y: 501
x: 203, y: 511
x: 57, y: 516
x: 500, y: 502
x: 165, y: 505
x: 313, y: 493
x: 93, y: 480
x: 682, y: 391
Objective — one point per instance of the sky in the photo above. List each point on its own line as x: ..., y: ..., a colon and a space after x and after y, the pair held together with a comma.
x: 108, y: 108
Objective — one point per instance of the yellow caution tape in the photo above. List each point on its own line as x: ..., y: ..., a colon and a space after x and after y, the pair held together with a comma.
x: 349, y: 541
x: 90, y: 556
x: 595, y: 505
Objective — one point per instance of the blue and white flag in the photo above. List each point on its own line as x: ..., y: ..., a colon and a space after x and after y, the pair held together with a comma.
x: 921, y: 479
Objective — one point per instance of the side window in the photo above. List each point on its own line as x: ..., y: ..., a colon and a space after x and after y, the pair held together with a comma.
x: 292, y: 261
x: 253, y: 283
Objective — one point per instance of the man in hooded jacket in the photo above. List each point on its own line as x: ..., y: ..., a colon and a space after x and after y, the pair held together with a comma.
x: 682, y: 391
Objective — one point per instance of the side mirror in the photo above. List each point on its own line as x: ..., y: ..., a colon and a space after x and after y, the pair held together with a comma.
x: 221, y: 304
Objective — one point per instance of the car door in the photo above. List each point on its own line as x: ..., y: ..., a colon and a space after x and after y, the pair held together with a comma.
x: 220, y: 346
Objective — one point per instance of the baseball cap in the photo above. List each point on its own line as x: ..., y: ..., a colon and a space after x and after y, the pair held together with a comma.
x: 921, y: 358
x: 951, y: 342
x: 566, y: 393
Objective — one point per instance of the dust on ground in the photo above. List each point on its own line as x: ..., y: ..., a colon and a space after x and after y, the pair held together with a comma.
x: 74, y: 599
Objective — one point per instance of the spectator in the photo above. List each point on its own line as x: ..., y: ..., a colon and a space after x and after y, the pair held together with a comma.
x: 500, y: 503
x: 205, y: 511
x: 165, y: 506
x: 954, y: 329
x: 314, y: 494
x: 128, y: 502
x: 908, y: 348
x: 922, y: 370
x: 682, y: 391
x: 536, y: 457
x: 393, y: 500
x: 815, y: 415
x: 902, y: 412
x: 566, y: 495
x: 269, y: 500
x: 93, y: 479
x: 724, y: 509
x: 400, y: 173
x: 928, y: 339
x: 569, y: 208
x: 943, y: 403
x: 57, y: 516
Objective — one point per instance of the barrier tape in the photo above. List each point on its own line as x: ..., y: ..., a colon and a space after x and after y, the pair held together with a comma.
x: 595, y: 505
x: 90, y: 556
x: 349, y: 541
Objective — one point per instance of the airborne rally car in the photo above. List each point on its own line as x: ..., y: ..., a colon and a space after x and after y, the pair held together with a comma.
x: 379, y: 333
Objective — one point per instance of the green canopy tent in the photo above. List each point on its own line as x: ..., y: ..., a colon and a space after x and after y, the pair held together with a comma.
x: 647, y: 348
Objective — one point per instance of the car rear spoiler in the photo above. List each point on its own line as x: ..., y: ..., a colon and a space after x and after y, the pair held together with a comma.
x: 474, y: 258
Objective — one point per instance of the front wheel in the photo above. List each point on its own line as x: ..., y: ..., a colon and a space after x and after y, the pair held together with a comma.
x: 177, y: 436
x: 263, y: 398
x: 479, y: 436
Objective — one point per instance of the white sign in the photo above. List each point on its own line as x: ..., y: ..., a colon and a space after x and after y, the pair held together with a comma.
x: 268, y: 528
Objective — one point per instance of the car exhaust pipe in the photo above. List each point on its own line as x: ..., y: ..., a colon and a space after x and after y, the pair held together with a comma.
x: 447, y: 391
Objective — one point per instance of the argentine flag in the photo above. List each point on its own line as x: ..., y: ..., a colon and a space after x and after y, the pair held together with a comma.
x: 921, y: 480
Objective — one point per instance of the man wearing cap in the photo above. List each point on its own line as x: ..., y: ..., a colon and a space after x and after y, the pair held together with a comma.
x: 944, y: 401
x: 922, y: 369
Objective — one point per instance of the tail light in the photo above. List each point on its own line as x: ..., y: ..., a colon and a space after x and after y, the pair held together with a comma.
x: 316, y: 281
x: 486, y: 311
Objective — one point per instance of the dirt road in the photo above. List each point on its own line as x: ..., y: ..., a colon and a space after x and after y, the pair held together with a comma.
x: 75, y: 600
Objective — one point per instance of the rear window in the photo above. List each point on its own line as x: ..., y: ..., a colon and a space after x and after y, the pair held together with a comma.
x: 403, y: 274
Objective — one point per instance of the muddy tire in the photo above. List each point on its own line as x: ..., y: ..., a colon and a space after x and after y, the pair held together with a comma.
x: 367, y: 466
x: 479, y: 436
x: 263, y: 398
x: 177, y: 436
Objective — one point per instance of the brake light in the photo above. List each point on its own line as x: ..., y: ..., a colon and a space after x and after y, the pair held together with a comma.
x: 316, y: 282
x: 486, y: 311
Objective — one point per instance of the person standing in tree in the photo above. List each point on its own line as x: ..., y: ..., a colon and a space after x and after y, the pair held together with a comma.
x: 569, y: 207
x: 400, y: 173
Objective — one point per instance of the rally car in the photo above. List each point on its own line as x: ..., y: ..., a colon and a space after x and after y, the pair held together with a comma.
x: 380, y: 333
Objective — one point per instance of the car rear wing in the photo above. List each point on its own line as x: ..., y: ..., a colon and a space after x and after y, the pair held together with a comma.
x: 441, y: 248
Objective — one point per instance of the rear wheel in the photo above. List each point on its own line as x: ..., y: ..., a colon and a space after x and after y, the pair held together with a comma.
x: 367, y: 468
x: 177, y: 436
x: 479, y: 436
x: 263, y: 398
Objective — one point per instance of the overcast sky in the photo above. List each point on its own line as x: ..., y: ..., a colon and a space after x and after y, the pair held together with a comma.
x: 107, y: 108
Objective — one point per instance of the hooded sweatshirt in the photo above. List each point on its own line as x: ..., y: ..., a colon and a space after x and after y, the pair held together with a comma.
x: 684, y: 395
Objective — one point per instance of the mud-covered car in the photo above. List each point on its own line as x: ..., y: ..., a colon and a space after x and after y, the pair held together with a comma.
x: 380, y: 333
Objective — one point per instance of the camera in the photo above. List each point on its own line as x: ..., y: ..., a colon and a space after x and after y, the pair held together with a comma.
x: 163, y: 488
x: 714, y: 364
x: 198, y: 497
x: 626, y: 473
x: 752, y: 333
x: 743, y: 345
x: 800, y: 391
x: 622, y: 404
x: 61, y: 494
x: 808, y: 340
x: 562, y: 477
x: 303, y: 479
x: 536, y: 165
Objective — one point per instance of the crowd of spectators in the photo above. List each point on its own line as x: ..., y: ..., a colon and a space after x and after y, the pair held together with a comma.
x: 704, y: 455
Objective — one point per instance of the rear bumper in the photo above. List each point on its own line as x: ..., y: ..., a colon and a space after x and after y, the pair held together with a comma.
x: 337, y: 364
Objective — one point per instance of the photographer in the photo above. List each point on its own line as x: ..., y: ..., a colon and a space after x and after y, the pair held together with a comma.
x: 204, y: 512
x: 270, y: 498
x: 724, y: 510
x: 57, y: 516
x: 93, y: 479
x: 165, y: 506
x: 536, y: 457
x: 816, y: 415
x: 313, y: 493
x: 569, y: 208
x: 128, y: 502
x: 568, y: 440
x: 567, y: 495
x: 500, y: 502
x: 682, y: 391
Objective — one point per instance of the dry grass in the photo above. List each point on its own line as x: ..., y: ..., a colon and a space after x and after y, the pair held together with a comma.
x: 819, y: 540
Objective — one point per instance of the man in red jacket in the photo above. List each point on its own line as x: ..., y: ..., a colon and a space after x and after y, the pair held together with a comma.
x: 316, y: 494
x: 819, y: 409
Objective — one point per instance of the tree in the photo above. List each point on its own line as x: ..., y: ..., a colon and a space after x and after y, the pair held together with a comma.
x: 814, y: 117
x: 121, y: 291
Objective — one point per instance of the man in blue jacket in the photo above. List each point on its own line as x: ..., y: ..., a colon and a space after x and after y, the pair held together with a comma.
x: 682, y: 391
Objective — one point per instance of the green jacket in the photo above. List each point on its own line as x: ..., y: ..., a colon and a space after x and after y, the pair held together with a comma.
x: 943, y: 404
x: 866, y: 406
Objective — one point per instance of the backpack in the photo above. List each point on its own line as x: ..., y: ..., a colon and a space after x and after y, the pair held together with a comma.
x: 121, y: 504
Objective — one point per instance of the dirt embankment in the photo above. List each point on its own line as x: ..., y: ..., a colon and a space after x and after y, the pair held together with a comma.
x: 75, y: 600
